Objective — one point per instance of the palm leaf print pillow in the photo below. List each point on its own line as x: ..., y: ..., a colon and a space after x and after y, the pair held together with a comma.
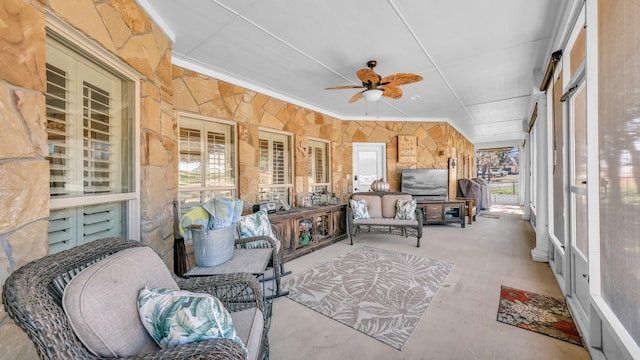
x: 175, y: 317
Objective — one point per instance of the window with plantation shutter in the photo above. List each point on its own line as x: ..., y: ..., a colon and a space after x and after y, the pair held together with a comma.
x: 90, y: 135
x: 318, y: 163
x: 274, y: 154
x: 207, y: 165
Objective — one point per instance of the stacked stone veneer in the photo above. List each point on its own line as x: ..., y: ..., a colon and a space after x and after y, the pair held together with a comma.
x: 199, y: 94
x: 121, y: 28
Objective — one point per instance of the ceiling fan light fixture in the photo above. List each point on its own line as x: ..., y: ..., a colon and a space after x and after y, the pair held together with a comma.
x: 373, y: 95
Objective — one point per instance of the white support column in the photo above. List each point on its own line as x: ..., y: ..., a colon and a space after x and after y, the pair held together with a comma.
x: 541, y: 251
x: 525, y: 180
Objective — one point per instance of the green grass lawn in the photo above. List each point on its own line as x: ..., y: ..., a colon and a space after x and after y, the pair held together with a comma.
x: 505, y: 189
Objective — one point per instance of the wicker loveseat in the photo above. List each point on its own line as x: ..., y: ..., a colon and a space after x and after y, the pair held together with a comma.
x: 381, y: 207
x: 33, y: 298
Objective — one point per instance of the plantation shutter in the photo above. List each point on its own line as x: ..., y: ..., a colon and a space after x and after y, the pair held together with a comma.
x: 207, y: 166
x: 217, y: 162
x: 58, y: 131
x: 278, y: 163
x: 83, y: 153
x: 265, y: 171
x: 98, y: 153
x: 319, y: 165
x: 190, y: 157
x: 275, y: 173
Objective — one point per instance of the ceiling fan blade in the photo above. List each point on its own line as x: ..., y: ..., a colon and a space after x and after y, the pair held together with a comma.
x: 400, y: 79
x: 345, y: 87
x: 368, y: 76
x: 392, y: 92
x: 356, y: 97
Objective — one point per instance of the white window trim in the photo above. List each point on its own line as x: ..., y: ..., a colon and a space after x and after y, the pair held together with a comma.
x: 62, y: 31
x: 292, y: 160
x: 198, y: 117
x: 328, y: 164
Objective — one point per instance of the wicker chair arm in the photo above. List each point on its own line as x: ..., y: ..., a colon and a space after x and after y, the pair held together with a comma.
x: 238, y: 291
x: 275, y: 256
x: 211, y: 349
x: 33, y: 302
x: 268, y: 239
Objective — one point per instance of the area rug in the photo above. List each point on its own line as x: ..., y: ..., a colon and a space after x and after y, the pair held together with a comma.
x: 538, y: 313
x: 378, y: 292
x: 489, y: 215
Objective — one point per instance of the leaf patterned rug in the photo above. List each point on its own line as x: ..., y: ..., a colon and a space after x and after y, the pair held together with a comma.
x: 538, y: 313
x: 378, y: 292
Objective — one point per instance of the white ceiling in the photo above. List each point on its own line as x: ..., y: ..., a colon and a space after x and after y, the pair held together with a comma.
x: 480, y: 59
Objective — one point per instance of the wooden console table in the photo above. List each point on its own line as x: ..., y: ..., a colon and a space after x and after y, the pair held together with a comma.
x: 304, y: 230
x: 439, y: 212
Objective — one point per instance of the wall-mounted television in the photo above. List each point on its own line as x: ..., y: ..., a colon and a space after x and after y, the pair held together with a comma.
x: 426, y: 184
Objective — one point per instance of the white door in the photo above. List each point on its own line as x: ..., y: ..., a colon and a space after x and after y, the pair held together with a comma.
x: 579, y: 234
x: 369, y: 163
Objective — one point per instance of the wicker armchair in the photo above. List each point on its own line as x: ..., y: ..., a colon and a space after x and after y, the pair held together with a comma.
x: 276, y: 260
x: 32, y: 298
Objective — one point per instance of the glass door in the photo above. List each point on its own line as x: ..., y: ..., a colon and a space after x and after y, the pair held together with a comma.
x: 369, y: 164
x: 579, y: 234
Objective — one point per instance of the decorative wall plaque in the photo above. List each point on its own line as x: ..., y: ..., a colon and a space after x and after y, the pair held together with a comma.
x: 407, y: 148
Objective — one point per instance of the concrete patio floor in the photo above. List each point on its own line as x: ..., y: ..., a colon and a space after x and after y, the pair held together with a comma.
x: 460, y: 323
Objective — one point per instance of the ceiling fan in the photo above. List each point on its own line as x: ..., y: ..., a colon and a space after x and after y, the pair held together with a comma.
x: 376, y: 86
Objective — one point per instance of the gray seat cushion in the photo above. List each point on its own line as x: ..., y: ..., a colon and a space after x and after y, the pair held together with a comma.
x: 249, y: 326
x: 101, y: 302
x: 385, y: 222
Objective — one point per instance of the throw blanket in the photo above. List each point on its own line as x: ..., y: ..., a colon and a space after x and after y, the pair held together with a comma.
x: 195, y: 216
x: 224, y: 211
x: 217, y: 213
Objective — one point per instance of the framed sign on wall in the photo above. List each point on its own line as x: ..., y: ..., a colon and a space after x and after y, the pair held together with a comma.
x: 407, y: 148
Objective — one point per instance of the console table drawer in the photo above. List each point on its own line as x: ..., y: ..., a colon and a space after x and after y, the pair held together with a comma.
x: 447, y: 211
x: 434, y: 217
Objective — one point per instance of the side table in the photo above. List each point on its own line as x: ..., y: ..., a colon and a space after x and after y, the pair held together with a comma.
x: 253, y: 261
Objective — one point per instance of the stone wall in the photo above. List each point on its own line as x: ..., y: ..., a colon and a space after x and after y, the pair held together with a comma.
x: 437, y: 143
x: 121, y: 28
x: 200, y: 94
x: 24, y: 172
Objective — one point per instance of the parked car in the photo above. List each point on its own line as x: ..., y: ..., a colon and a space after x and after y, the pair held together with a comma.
x: 499, y: 173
